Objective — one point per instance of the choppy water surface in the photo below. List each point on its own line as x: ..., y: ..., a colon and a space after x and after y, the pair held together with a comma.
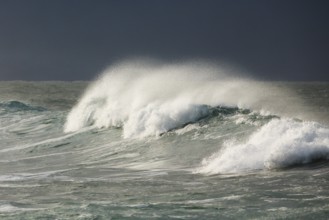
x: 155, y: 144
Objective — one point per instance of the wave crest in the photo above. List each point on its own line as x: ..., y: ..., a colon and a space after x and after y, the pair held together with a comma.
x: 149, y: 99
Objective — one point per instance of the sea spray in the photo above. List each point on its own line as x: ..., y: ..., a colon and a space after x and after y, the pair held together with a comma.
x: 147, y: 99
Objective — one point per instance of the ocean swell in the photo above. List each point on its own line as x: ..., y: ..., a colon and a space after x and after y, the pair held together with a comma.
x: 16, y: 106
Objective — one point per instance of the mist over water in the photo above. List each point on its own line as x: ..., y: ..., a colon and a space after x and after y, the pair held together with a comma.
x: 151, y: 98
x: 153, y: 140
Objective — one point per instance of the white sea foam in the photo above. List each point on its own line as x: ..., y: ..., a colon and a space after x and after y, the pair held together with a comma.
x: 188, y: 128
x: 148, y: 99
x: 278, y: 144
x: 4, y: 208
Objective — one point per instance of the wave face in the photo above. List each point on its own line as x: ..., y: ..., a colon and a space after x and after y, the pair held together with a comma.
x: 148, y: 99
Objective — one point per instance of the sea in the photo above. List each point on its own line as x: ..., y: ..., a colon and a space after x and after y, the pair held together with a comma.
x: 148, y: 140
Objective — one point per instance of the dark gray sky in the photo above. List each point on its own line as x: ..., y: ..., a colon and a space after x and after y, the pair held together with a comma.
x: 77, y: 39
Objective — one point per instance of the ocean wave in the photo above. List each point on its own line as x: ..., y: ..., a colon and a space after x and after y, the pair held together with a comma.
x: 280, y: 143
x: 147, y: 99
x: 14, y: 106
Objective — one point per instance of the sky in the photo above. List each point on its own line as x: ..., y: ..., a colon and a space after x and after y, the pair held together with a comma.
x: 77, y: 39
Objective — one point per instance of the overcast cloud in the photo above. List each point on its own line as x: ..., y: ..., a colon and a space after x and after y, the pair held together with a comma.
x: 77, y: 39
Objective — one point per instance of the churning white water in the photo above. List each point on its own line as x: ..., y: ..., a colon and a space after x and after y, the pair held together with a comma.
x: 278, y: 144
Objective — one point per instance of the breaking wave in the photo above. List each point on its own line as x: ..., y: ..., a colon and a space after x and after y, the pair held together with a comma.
x: 148, y: 99
x: 280, y: 143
